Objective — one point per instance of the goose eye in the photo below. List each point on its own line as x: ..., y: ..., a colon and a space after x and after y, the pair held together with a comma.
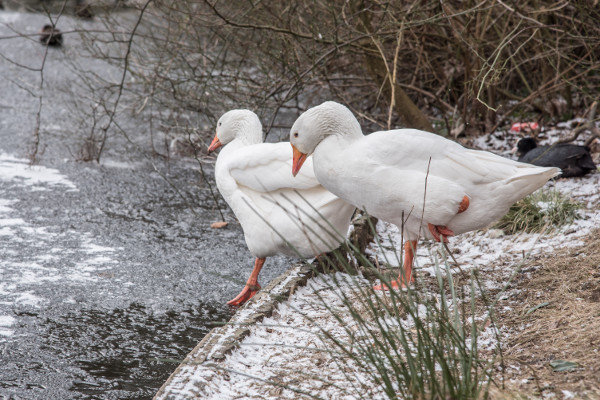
x: 296, y: 134
x: 220, y: 123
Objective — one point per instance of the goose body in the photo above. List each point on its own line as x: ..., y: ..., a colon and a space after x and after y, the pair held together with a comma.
x: 426, y: 185
x: 279, y: 214
x: 572, y: 159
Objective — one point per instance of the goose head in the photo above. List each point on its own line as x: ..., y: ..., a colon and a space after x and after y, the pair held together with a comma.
x: 242, y: 125
x: 316, y: 124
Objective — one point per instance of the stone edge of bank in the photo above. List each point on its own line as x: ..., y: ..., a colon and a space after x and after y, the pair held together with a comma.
x: 220, y: 341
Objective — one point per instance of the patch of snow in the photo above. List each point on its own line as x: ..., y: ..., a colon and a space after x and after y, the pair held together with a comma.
x: 4, y: 205
x: 499, y: 141
x: 11, y: 221
x: 544, y: 206
x: 46, y: 257
x: 100, y: 260
x: 111, y: 163
x: 32, y: 251
x: 291, y: 337
x: 92, y: 248
x: 7, y: 17
x: 28, y: 299
x: 6, y: 321
x: 571, y: 123
x: 19, y: 170
x: 568, y: 394
x: 6, y: 232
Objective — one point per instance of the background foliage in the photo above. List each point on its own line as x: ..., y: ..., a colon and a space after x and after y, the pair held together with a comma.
x: 453, y: 67
x: 461, y: 63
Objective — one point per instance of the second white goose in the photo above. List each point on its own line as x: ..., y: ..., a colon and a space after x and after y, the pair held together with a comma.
x: 279, y: 214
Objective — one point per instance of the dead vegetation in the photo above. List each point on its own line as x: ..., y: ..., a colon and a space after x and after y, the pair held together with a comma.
x: 455, y: 67
x: 565, y: 328
x: 459, y: 68
x: 548, y: 317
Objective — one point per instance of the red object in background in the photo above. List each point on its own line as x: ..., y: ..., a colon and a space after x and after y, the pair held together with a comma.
x: 519, y: 126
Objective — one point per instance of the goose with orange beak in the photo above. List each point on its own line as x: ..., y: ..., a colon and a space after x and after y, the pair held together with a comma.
x: 426, y: 185
x: 280, y: 214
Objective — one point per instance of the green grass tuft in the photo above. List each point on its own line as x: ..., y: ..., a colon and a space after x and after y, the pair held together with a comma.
x: 410, y: 344
x: 544, y: 207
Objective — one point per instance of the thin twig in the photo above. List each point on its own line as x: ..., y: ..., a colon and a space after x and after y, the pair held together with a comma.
x: 210, y: 188
x: 121, y: 85
x: 588, y: 125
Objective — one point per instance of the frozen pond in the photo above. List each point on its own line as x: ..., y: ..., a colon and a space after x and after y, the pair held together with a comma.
x: 108, y: 275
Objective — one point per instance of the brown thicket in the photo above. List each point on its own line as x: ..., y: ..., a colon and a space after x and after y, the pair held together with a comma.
x: 449, y: 66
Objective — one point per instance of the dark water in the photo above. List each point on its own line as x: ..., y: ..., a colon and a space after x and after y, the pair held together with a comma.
x: 122, y: 353
x: 111, y: 274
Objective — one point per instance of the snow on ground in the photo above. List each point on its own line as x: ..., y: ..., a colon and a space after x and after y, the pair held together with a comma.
x: 285, y: 356
x: 286, y: 351
x: 32, y: 252
x: 35, y: 176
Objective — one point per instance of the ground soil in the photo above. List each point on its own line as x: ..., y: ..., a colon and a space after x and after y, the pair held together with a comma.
x: 568, y: 328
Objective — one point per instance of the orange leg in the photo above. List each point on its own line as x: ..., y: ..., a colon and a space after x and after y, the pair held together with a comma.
x: 251, y: 287
x: 406, y: 278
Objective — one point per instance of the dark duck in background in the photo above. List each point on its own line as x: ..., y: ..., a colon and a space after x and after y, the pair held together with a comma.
x: 572, y: 159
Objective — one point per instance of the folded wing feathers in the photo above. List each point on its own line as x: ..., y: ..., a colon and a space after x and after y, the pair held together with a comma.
x: 448, y: 159
x: 271, y: 171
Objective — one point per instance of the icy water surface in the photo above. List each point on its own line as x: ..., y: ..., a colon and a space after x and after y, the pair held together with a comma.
x: 108, y: 274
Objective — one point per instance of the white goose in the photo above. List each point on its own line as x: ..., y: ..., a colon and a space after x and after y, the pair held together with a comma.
x: 278, y: 213
x: 426, y: 185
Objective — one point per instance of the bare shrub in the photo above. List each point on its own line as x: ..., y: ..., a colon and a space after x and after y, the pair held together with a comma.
x: 454, y: 67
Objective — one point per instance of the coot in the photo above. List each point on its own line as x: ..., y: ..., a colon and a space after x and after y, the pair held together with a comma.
x: 572, y: 159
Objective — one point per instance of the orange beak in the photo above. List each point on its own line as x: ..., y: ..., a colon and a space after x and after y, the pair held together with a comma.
x: 215, y: 144
x: 299, y: 159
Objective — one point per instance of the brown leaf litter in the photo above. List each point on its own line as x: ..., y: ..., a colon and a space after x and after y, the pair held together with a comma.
x: 568, y: 328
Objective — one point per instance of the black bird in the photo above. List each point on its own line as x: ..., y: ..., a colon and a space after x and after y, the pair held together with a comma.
x: 572, y: 159
x: 50, y: 36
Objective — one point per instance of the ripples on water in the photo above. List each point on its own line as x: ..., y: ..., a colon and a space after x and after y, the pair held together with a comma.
x: 94, y: 354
